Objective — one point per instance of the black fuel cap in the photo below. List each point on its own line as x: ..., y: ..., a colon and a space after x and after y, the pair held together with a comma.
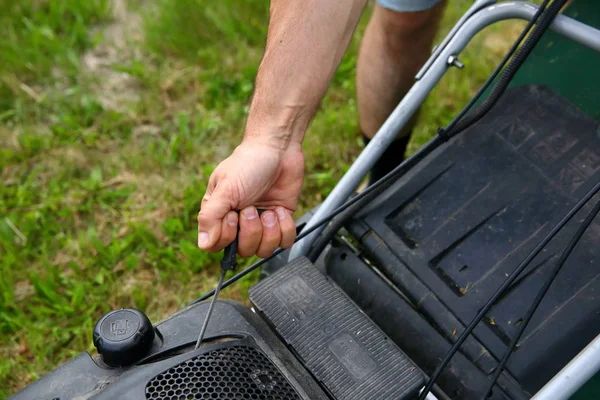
x: 123, y: 337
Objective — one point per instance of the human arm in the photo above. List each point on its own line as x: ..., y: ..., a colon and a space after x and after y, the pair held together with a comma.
x: 305, y: 43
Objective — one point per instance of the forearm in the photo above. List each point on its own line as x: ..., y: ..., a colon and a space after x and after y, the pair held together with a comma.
x: 306, y: 41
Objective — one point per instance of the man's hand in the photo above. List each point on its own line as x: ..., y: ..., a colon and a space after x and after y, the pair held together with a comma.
x: 305, y: 43
x: 256, y: 175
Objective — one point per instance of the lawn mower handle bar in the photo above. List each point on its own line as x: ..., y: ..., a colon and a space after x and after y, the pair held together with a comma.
x: 477, y: 21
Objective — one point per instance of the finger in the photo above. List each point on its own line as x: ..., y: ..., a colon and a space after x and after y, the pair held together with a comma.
x: 229, y: 230
x: 250, y: 234
x: 287, y: 226
x: 210, y: 219
x: 271, y: 234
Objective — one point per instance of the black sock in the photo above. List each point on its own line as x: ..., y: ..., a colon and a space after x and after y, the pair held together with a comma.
x: 390, y: 159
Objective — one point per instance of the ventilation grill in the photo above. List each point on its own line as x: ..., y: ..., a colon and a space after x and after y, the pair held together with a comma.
x: 237, y: 372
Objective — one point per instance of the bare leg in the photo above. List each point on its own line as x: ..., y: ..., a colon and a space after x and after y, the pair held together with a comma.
x: 394, y: 48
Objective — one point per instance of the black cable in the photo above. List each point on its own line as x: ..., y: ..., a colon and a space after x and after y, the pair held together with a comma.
x: 505, y: 285
x: 240, y: 274
x: 545, y: 20
x: 367, y: 195
x: 540, y: 296
x: 462, y: 121
x: 444, y: 133
x: 497, y: 70
x: 341, y: 219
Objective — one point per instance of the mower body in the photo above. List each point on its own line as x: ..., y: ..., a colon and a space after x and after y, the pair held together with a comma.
x: 373, y: 316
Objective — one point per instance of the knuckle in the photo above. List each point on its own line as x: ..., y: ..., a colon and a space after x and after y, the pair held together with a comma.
x: 254, y: 229
x: 228, y: 235
x: 288, y: 235
x: 203, y: 219
x: 226, y: 241
x: 247, y: 246
x: 264, y: 253
x: 269, y: 235
x: 244, y: 253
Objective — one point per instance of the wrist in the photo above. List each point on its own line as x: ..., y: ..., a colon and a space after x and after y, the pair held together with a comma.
x: 277, y: 125
x: 259, y: 143
x: 265, y: 133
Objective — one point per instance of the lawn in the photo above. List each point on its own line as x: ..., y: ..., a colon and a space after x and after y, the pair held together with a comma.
x: 112, y: 116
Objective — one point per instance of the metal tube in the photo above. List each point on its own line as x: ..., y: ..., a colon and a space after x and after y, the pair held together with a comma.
x: 566, y: 26
x: 573, y: 375
x: 477, y: 5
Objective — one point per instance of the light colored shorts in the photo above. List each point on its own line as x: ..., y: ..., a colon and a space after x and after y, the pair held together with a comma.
x: 407, y: 5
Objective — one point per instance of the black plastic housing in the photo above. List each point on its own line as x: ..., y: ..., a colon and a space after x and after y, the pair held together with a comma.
x: 234, y: 336
x: 449, y: 232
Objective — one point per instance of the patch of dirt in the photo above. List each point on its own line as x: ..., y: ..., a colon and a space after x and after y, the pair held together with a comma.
x: 9, y: 138
x: 120, y: 43
x: 71, y: 155
x: 23, y: 290
x: 145, y: 130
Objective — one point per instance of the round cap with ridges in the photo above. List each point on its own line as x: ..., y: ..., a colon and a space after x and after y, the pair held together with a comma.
x: 123, y: 337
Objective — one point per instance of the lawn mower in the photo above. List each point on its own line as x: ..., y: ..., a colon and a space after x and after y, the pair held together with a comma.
x: 471, y: 271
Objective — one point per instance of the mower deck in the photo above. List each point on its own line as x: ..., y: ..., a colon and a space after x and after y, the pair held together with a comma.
x: 449, y: 232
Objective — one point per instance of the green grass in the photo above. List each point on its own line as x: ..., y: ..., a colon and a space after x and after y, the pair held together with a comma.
x: 109, y: 129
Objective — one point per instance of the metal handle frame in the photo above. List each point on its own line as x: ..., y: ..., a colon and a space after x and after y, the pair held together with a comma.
x: 568, y: 27
x: 478, y: 17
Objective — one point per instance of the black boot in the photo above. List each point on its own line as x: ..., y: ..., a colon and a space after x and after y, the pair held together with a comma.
x: 390, y: 159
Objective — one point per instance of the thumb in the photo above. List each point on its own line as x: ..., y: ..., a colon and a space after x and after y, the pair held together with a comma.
x: 212, y: 211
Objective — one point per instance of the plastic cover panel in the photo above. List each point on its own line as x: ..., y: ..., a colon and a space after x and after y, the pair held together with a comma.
x: 342, y: 348
x: 464, y: 219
